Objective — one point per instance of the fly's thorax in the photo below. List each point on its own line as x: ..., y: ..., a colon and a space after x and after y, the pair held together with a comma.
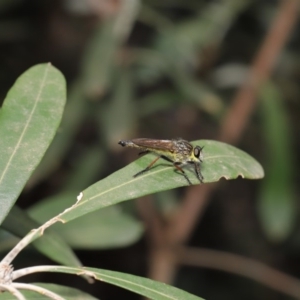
x: 183, y: 147
x: 182, y: 151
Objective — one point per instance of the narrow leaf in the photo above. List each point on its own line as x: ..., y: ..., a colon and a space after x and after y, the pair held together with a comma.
x: 102, y: 229
x: 142, y: 286
x: 220, y: 160
x: 29, y: 118
x: 66, y: 292
x: 50, y: 244
x: 75, y: 112
x: 277, y: 202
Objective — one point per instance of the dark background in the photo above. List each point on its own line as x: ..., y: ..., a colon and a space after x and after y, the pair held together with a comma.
x: 172, y: 69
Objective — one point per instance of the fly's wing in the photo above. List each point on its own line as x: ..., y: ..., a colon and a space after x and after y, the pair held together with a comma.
x: 155, y: 145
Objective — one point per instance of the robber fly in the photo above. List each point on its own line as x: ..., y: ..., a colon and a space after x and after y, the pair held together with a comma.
x: 177, y: 151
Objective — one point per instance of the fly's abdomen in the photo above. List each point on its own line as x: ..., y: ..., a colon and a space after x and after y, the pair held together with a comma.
x: 133, y: 144
x: 127, y: 143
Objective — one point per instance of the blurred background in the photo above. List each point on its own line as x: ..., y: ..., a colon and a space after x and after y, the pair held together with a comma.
x: 227, y: 70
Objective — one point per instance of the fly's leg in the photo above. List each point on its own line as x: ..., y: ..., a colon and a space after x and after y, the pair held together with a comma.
x: 149, y: 166
x: 176, y: 165
x: 198, y: 172
x: 152, y: 163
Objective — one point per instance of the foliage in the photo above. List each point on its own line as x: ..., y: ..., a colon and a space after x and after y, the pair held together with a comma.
x: 221, y: 161
x: 160, y: 69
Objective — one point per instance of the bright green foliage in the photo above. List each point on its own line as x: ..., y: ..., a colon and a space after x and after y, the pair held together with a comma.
x: 29, y: 119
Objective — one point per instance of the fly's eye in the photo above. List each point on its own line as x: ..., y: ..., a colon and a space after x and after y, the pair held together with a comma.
x: 197, y: 151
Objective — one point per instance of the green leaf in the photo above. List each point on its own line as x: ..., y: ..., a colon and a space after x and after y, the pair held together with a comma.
x: 277, y: 202
x: 50, y: 244
x: 102, y: 229
x: 220, y: 160
x: 29, y: 118
x: 142, y: 286
x: 66, y: 292
x: 107, y: 228
x: 75, y: 112
x: 7, y: 241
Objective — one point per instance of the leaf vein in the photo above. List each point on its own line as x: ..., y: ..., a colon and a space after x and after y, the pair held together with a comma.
x: 26, y: 125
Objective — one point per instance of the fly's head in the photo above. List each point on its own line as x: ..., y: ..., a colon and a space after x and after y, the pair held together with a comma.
x: 198, y: 154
